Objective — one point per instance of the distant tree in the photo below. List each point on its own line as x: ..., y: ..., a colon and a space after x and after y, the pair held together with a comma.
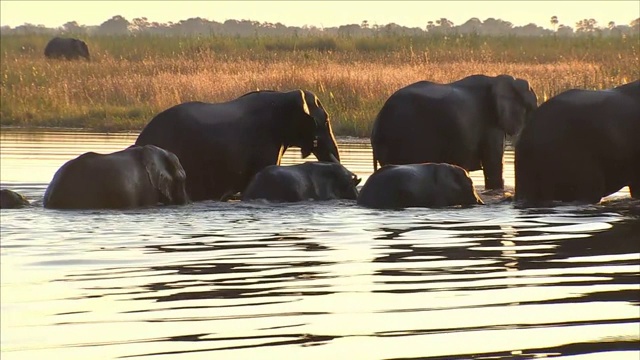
x: 350, y: 30
x: 554, y: 22
x: 492, y: 26
x: 430, y: 25
x: 117, y: 25
x: 392, y: 29
x: 586, y: 25
x: 28, y: 28
x: 72, y: 27
x: 444, y: 23
x: 531, y: 29
x: 139, y: 24
x: 564, y: 30
x: 472, y: 26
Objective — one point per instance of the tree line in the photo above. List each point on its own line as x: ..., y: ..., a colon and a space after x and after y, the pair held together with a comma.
x: 118, y: 25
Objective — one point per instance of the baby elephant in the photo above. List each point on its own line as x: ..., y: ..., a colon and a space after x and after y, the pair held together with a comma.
x: 12, y: 200
x: 418, y: 185
x: 134, y: 177
x: 308, y: 181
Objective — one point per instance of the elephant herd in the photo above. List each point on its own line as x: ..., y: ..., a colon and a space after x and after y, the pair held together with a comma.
x: 578, y: 146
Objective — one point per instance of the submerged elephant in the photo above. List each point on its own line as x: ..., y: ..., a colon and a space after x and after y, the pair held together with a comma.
x: 223, y: 145
x: 581, y: 145
x: 418, y: 185
x: 67, y: 48
x: 12, y: 200
x: 462, y: 123
x: 135, y: 177
x: 308, y: 181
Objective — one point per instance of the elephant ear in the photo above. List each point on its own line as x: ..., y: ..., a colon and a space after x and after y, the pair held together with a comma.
x: 154, y: 164
x: 514, y: 99
x: 355, y: 180
x: 308, y: 126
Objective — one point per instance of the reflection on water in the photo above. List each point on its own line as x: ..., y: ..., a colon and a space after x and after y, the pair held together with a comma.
x: 311, y: 280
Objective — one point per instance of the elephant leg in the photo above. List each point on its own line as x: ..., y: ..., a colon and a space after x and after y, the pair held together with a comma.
x: 634, y: 184
x: 492, y: 154
x: 634, y: 189
x: 590, y: 192
x: 581, y: 181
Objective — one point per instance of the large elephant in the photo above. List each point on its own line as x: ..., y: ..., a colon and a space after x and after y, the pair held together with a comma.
x: 462, y: 123
x: 418, y: 185
x: 135, y: 177
x: 67, y: 48
x: 12, y: 200
x: 308, y: 181
x: 581, y: 145
x: 223, y: 145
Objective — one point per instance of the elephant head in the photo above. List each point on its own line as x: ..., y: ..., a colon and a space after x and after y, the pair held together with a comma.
x: 514, y: 101
x: 166, y: 174
x: 348, y: 188
x: 11, y: 199
x: 464, y: 186
x: 630, y: 89
x: 312, y: 129
x: 82, y: 48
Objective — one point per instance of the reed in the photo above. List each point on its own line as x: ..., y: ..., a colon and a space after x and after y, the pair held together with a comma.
x: 132, y: 78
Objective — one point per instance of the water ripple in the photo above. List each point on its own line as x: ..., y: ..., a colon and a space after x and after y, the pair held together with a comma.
x: 313, y: 280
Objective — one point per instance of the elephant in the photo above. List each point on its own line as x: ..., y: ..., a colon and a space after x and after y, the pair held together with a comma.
x: 418, y: 185
x: 223, y: 145
x: 580, y: 146
x: 307, y: 181
x: 67, y: 48
x: 462, y: 123
x: 137, y: 176
x: 12, y: 200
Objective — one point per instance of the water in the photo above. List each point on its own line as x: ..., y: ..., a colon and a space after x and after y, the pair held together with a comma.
x: 318, y: 280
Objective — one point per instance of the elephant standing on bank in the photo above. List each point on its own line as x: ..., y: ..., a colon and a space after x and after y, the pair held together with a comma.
x: 223, y: 145
x: 581, y: 145
x: 462, y: 123
x: 308, y: 181
x: 418, y: 185
x: 12, y: 200
x: 135, y: 177
x: 67, y: 48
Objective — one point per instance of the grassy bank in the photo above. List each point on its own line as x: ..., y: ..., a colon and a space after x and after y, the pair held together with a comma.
x: 130, y: 79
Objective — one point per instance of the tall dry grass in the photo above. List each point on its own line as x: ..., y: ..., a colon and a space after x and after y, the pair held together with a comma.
x: 124, y: 91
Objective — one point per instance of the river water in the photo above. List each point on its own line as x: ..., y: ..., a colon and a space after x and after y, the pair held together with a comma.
x: 315, y: 280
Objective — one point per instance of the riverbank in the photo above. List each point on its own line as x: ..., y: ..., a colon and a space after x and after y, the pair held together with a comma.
x: 124, y: 86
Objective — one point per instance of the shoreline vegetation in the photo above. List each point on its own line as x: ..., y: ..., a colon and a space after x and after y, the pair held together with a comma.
x: 131, y: 78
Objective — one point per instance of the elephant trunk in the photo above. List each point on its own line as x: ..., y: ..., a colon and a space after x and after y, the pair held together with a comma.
x: 181, y: 197
x: 327, y: 153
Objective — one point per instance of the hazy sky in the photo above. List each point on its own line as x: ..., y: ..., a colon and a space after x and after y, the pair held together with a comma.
x: 318, y: 13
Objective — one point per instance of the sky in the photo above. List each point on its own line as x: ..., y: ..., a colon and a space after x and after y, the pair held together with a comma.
x: 319, y: 13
